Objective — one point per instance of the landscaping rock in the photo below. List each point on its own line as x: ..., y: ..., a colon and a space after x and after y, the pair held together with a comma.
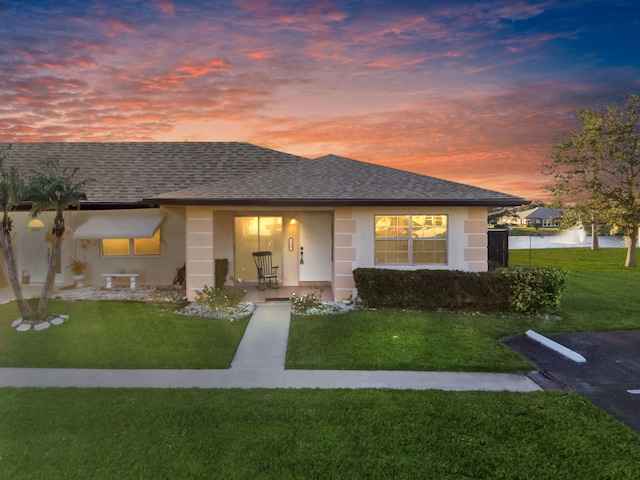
x: 57, y: 321
x: 41, y: 326
x: 16, y: 323
x: 24, y: 327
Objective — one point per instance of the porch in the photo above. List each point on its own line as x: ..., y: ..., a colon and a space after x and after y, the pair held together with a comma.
x: 321, y: 289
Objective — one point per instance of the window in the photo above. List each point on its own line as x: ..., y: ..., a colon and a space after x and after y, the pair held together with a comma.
x: 411, y: 239
x: 122, y: 247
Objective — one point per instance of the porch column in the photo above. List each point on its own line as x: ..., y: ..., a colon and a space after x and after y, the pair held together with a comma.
x: 475, y: 228
x: 200, y: 251
x: 344, y: 254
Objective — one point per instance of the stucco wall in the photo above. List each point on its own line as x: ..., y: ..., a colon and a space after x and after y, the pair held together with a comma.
x: 354, y: 241
x: 33, y: 250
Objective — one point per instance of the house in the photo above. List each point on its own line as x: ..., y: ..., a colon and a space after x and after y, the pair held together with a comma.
x: 539, y: 217
x: 155, y: 207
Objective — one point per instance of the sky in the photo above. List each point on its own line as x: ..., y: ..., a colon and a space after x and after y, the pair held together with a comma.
x: 475, y: 92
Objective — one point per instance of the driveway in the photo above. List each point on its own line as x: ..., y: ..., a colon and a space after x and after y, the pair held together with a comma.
x: 611, y: 370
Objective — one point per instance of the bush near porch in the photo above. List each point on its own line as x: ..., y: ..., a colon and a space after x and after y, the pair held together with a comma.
x: 521, y: 290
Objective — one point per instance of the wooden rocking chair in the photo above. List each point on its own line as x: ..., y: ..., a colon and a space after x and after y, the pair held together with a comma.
x: 267, y: 273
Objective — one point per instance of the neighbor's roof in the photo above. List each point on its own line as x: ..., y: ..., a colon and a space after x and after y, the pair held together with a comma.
x: 334, y: 180
x: 234, y: 173
x: 539, y: 212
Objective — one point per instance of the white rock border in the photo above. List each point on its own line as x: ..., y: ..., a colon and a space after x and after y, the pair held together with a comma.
x: 21, y: 326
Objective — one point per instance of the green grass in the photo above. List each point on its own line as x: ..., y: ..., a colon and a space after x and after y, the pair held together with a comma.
x: 606, y: 260
x: 118, y: 334
x: 315, y: 434
x: 526, y: 231
x: 396, y: 340
x: 601, y: 295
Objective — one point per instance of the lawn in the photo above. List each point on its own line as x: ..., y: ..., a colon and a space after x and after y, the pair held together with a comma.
x: 315, y: 434
x: 57, y: 433
x: 119, y: 334
x: 600, y: 295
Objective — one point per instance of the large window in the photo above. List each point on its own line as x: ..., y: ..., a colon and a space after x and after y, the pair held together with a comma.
x: 411, y: 239
x: 122, y: 247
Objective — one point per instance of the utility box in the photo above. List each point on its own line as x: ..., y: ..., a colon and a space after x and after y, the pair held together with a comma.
x: 26, y: 277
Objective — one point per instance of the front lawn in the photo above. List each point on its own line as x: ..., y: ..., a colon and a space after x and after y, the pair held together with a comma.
x: 600, y: 295
x: 118, y: 335
x: 315, y: 434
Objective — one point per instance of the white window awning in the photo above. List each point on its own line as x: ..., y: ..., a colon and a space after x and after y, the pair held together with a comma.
x: 119, y: 224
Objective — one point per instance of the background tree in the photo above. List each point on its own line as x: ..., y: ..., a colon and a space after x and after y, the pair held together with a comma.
x: 13, y: 191
x: 54, y: 188
x: 596, y: 170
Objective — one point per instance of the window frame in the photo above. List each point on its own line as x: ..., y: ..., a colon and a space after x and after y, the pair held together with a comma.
x: 132, y: 248
x: 410, y: 238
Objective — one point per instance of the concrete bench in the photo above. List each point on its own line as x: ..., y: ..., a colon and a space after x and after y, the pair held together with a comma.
x: 111, y: 276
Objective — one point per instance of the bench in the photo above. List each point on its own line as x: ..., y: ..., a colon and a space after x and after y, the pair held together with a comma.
x: 132, y: 278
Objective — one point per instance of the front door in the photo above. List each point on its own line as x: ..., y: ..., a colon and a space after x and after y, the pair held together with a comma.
x: 254, y: 234
x: 315, y: 247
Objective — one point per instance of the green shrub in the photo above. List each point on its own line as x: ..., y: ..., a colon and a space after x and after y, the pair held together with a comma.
x: 301, y: 305
x: 534, y: 289
x: 219, y: 300
x: 520, y: 290
x: 431, y: 289
x: 221, y: 271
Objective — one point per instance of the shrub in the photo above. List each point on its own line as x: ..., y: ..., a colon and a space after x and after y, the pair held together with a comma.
x: 302, y: 305
x: 431, y: 289
x: 219, y: 300
x: 534, y: 289
x: 221, y: 271
x: 521, y: 290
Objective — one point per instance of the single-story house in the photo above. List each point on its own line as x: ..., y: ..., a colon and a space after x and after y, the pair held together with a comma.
x: 539, y: 217
x: 155, y: 207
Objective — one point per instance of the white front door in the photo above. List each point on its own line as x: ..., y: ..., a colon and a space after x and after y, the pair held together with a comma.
x: 316, y: 260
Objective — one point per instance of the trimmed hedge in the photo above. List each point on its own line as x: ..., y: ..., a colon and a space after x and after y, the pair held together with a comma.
x: 520, y: 290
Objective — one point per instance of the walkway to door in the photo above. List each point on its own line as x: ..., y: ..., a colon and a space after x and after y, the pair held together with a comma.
x: 259, y: 363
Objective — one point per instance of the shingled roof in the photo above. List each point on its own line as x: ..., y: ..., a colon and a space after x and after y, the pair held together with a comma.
x: 128, y: 172
x: 334, y: 180
x: 234, y: 173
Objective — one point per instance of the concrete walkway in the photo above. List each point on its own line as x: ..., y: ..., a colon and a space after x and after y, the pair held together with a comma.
x: 259, y: 363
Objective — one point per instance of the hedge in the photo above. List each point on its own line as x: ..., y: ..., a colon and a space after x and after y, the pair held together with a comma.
x: 520, y: 290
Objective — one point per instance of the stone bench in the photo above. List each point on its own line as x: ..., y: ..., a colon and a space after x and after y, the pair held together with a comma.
x: 111, y: 276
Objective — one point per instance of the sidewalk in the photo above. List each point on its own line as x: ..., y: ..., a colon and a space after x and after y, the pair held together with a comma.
x: 259, y: 363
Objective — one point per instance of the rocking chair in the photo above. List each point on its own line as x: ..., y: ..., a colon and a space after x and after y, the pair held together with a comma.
x: 267, y: 273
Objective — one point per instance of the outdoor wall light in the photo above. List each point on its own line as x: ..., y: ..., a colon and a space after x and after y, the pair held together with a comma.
x: 293, y: 221
x: 35, y: 225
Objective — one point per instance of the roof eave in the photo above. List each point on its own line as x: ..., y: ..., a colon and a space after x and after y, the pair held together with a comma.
x: 322, y: 202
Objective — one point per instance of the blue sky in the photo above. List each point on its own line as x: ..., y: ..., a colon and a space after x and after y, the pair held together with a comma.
x: 474, y: 92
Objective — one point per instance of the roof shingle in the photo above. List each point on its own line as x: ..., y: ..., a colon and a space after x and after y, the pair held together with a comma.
x: 216, y: 173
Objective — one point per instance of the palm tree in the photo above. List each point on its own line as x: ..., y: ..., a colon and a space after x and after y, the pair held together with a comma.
x: 13, y: 191
x: 54, y: 188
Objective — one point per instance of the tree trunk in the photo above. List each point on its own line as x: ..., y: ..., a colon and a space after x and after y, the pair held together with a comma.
x: 595, y: 244
x: 12, y: 271
x: 43, y: 303
x: 631, y: 248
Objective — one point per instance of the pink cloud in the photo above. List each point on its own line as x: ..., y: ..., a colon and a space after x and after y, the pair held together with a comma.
x: 167, y: 8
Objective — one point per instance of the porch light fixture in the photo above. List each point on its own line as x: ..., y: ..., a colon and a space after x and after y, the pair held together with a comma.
x: 35, y: 225
x: 293, y: 221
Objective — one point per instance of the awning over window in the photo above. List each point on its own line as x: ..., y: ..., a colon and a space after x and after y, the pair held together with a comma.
x: 119, y: 224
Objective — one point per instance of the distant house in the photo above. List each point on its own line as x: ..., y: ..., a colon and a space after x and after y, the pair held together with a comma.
x: 158, y: 206
x: 535, y: 217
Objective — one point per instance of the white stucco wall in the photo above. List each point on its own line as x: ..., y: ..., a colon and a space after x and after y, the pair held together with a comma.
x: 32, y: 252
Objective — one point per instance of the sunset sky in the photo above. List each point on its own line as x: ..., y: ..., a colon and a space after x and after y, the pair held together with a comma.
x: 474, y: 92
